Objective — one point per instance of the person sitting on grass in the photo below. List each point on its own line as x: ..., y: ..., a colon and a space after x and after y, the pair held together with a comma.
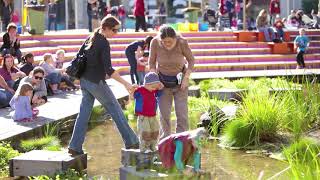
x: 301, y: 43
x: 21, y: 104
x: 146, y: 109
x: 178, y: 149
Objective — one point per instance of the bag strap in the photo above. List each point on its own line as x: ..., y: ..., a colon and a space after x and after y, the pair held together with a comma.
x: 83, y: 46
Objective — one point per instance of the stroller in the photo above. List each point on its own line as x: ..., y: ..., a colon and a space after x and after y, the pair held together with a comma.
x: 211, y: 16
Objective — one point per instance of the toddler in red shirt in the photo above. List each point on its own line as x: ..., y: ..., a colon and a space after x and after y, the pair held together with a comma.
x: 146, y: 110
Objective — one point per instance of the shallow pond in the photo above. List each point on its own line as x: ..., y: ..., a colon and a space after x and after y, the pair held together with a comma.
x: 103, y: 144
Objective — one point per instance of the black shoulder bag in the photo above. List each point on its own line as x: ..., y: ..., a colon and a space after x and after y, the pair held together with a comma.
x: 78, y: 63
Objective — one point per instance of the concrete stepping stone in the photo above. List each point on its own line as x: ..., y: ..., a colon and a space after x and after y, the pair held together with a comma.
x: 194, y: 91
x: 226, y: 94
x: 42, y: 162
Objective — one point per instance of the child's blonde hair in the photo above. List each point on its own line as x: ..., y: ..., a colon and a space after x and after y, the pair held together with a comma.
x: 60, y: 51
x: 23, y: 89
x: 301, y: 30
x: 47, y: 56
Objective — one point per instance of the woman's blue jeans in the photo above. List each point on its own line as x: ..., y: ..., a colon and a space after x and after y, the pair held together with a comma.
x: 101, y: 92
x: 267, y: 31
x: 54, y: 78
x: 5, y: 97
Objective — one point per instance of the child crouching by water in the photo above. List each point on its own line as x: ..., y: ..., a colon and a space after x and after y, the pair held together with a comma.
x: 176, y: 150
x: 21, y: 103
x: 146, y: 109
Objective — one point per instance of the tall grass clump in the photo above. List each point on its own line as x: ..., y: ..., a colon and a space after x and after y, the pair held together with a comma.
x: 301, y: 109
x: 51, y: 143
x: 303, y: 158
x: 238, y: 133
x: 6, y: 153
x: 243, y: 83
x: 261, y: 113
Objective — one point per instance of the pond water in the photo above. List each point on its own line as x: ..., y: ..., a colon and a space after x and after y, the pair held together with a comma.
x: 103, y: 144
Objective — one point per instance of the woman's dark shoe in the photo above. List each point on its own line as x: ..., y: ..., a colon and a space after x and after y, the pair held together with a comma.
x: 74, y: 153
x: 133, y: 146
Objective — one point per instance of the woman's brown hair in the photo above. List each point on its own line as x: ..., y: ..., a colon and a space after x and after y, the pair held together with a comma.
x: 4, y: 65
x: 107, y: 22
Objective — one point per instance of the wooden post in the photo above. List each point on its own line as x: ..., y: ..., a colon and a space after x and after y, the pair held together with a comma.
x: 244, y: 21
x: 67, y: 13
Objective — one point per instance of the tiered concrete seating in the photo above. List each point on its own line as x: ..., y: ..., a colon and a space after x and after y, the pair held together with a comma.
x: 213, y: 51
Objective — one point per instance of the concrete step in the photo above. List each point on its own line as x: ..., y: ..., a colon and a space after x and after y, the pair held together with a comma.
x: 84, y: 35
x: 216, y: 59
x: 235, y: 59
x: 196, y: 45
x: 211, y: 67
x: 55, y: 42
x: 121, y: 54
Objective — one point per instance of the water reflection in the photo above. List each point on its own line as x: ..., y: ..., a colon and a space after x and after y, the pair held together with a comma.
x: 103, y: 144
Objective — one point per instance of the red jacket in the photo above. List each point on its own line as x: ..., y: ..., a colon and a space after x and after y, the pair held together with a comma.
x: 139, y: 8
x: 167, y: 148
x: 274, y: 7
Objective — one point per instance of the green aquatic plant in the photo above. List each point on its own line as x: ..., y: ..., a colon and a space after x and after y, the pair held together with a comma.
x: 49, y: 143
x: 243, y: 83
x: 238, y: 133
x: 96, y: 113
x: 303, y: 158
x: 129, y: 112
x: 6, y: 153
x: 258, y: 119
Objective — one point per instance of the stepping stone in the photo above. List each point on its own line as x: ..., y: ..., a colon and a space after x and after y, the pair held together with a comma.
x: 42, y: 162
x: 130, y: 173
x: 194, y: 91
x: 282, y: 90
x: 227, y: 94
x: 133, y: 157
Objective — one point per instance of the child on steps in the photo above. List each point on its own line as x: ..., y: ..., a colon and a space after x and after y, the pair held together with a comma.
x: 301, y: 43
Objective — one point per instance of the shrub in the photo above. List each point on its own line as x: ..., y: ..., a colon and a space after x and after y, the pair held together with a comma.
x: 6, y: 153
x: 70, y: 174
